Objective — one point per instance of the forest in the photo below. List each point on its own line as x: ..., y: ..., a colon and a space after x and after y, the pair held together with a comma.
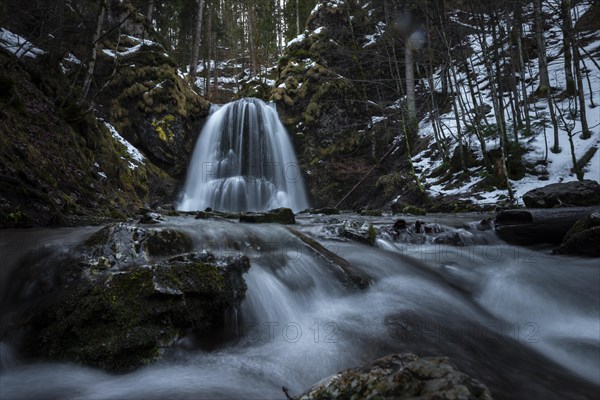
x: 299, y: 199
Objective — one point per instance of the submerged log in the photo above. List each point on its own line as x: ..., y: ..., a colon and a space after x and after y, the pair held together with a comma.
x: 538, y: 225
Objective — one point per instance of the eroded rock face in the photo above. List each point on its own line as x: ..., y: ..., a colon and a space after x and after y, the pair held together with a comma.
x: 400, y: 376
x: 569, y: 194
x: 124, y: 296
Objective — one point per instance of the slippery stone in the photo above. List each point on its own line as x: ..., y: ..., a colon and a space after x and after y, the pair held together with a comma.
x: 400, y: 376
x: 106, y: 305
x: 583, y: 239
x: 277, y: 215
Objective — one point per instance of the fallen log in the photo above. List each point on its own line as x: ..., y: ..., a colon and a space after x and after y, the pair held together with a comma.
x: 538, y: 225
x: 348, y: 274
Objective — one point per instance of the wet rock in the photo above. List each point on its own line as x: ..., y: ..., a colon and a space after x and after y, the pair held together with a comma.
x: 152, y: 218
x: 400, y: 376
x: 325, y: 211
x: 118, y: 313
x: 278, y: 215
x: 360, y: 231
x: 583, y: 239
x: 568, y: 194
x: 371, y: 213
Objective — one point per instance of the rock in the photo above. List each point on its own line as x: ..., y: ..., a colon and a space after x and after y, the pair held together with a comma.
x: 371, y: 213
x: 152, y: 218
x: 120, y: 312
x: 413, y: 210
x: 360, y: 231
x: 278, y: 215
x: 400, y: 376
x: 400, y: 225
x: 126, y: 244
x: 583, y: 239
x: 325, y: 211
x: 167, y: 242
x: 569, y: 194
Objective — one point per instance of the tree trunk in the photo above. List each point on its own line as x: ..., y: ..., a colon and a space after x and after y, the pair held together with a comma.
x: 150, y: 11
x: 541, y: 44
x: 585, y: 130
x: 87, y: 82
x: 196, y: 41
x: 409, y: 67
x: 518, y: 24
x: 567, y: 29
x: 297, y: 17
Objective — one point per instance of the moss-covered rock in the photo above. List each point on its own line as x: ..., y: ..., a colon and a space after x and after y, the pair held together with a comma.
x: 413, y: 210
x: 277, y: 215
x: 106, y: 306
x: 583, y: 239
x: 60, y: 165
x: 400, y: 376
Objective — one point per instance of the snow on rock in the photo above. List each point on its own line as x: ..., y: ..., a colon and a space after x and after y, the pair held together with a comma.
x: 130, y: 50
x: 131, y: 150
x: 18, y: 45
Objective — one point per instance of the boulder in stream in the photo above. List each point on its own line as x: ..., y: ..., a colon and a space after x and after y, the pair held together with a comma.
x: 583, y: 239
x: 400, y: 376
x: 116, y: 302
x: 277, y: 215
x: 567, y: 194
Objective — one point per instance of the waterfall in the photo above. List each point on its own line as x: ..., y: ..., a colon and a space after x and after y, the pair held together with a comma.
x: 244, y: 161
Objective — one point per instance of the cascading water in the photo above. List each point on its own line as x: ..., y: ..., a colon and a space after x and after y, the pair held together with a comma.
x: 521, y: 320
x: 244, y: 161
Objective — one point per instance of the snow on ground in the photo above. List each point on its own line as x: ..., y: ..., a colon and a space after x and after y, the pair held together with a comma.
x: 18, y: 45
x: 559, y: 165
x: 133, y: 152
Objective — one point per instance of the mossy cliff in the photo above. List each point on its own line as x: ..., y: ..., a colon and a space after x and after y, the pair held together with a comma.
x: 141, y: 92
x: 60, y: 165
x: 60, y: 160
x: 326, y: 82
x: 150, y: 104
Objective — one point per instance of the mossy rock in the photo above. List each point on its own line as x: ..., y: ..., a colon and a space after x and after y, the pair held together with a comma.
x: 413, y: 210
x: 277, y: 215
x: 167, y: 242
x: 121, y: 316
x: 371, y: 213
x: 583, y: 238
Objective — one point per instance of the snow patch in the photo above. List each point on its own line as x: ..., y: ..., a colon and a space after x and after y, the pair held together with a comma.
x: 133, y: 152
x: 18, y: 45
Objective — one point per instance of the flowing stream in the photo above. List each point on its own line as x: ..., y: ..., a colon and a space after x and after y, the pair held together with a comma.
x: 520, y: 320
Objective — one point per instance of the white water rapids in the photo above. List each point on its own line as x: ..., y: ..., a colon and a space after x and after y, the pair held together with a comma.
x: 520, y: 320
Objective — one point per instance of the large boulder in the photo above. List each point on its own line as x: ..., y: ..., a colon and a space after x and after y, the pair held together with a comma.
x: 120, y: 299
x: 583, y: 239
x: 568, y: 194
x: 277, y: 215
x: 400, y: 376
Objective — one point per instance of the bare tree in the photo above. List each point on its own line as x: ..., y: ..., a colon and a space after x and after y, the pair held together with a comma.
x: 196, y: 41
x: 94, y: 51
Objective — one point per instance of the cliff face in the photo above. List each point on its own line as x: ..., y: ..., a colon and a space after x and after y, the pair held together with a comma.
x: 64, y: 162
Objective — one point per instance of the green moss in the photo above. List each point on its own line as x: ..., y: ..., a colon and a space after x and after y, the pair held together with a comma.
x: 371, y: 235
x: 390, y: 184
x: 163, y: 129
x: 413, y: 210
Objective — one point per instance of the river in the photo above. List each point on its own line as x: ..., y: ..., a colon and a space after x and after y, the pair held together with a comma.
x: 520, y: 320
